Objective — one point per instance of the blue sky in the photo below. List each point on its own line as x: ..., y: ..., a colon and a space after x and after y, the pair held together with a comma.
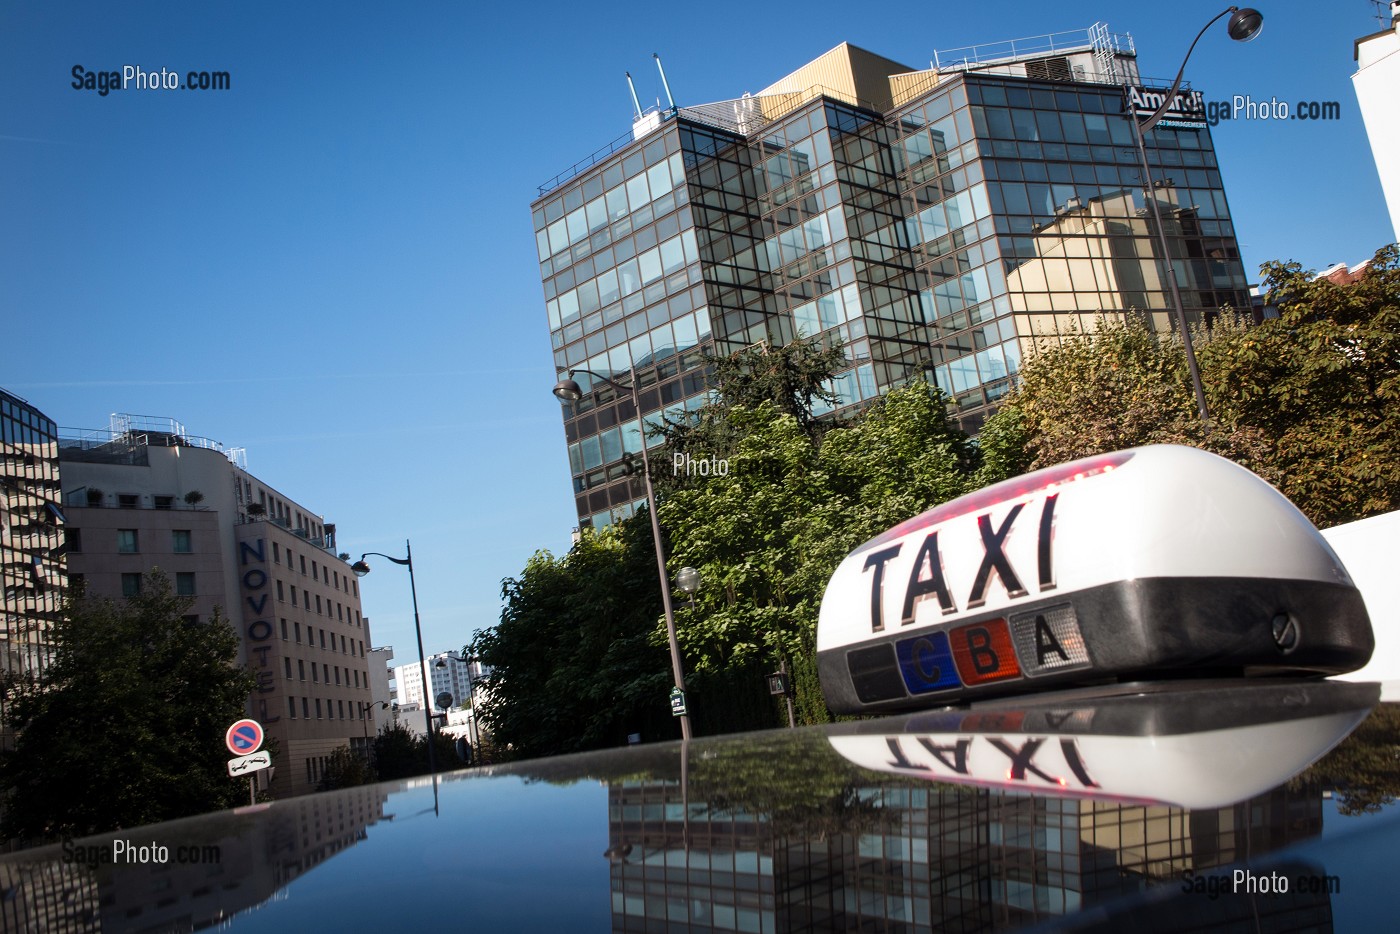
x: 332, y: 264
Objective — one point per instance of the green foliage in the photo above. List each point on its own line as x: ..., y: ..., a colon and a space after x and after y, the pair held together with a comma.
x: 399, y: 753
x: 346, y: 769
x: 767, y: 535
x: 791, y: 379
x: 1309, y: 400
x: 126, y: 725
x: 574, y: 666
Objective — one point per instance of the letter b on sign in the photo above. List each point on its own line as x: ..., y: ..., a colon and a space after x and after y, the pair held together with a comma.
x: 984, y: 653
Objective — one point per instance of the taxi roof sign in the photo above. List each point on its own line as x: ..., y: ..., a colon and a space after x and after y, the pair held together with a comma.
x: 1154, y: 559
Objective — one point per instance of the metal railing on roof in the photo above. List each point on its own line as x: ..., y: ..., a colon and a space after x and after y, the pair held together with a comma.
x: 1009, y: 50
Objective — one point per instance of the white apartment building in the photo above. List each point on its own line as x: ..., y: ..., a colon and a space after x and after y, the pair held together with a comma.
x: 448, y: 672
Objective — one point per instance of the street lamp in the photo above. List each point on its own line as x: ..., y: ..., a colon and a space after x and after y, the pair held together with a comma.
x: 365, y: 708
x: 569, y: 391
x: 361, y: 569
x: 1244, y: 25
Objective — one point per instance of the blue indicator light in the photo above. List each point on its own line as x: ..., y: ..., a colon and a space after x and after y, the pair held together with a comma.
x: 926, y: 662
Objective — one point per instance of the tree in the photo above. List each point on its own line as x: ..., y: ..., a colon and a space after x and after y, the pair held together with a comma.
x: 399, y: 753
x: 794, y: 379
x: 573, y: 663
x: 767, y: 535
x: 126, y: 724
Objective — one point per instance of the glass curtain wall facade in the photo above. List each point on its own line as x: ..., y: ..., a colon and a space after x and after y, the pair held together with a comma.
x: 945, y: 237
x: 32, y: 546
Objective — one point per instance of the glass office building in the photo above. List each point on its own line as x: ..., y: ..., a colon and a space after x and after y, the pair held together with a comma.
x: 939, y: 223
x: 32, y: 545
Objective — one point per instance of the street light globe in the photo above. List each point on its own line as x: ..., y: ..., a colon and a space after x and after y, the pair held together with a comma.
x: 360, y: 568
x: 568, y: 390
x: 688, y: 580
x: 1245, y: 24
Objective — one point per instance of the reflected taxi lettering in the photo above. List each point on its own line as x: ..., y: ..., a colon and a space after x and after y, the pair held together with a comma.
x: 1011, y: 760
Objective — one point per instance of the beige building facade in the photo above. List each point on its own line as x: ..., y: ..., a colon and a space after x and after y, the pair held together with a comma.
x: 145, y: 494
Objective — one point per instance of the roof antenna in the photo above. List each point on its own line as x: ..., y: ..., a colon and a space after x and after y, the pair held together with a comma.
x: 669, y: 99
x: 636, y: 104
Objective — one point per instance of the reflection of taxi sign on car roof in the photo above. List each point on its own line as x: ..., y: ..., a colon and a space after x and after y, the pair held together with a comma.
x: 1154, y: 560
x: 1180, y: 746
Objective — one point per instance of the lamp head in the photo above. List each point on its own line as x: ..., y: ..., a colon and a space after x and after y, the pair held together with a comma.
x: 567, y: 390
x: 1245, y: 24
x: 360, y: 568
x: 688, y: 580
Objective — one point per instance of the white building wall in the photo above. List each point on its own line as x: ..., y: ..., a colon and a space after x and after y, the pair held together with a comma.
x: 1370, y: 550
x: 1376, y: 82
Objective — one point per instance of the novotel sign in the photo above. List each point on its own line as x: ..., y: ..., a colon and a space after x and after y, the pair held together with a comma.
x: 1144, y: 561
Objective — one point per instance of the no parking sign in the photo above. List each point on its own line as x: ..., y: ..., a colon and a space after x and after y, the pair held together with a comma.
x: 244, y: 737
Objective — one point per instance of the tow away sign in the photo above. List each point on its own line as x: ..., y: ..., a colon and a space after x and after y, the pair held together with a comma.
x: 244, y: 765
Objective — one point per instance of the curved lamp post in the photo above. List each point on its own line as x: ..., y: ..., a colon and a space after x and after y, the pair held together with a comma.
x: 365, y: 708
x: 567, y: 390
x: 361, y: 569
x: 1244, y: 25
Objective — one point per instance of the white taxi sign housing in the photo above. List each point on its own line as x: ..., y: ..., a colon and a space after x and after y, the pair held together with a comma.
x: 1149, y: 560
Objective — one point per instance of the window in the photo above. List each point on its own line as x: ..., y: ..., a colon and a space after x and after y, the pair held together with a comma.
x: 126, y: 541
x: 297, y: 628
x: 294, y: 595
x: 164, y: 502
x: 318, y: 708
x: 306, y: 598
x: 303, y: 564
x: 341, y: 705
x: 318, y: 604
x: 337, y: 674
x: 314, y: 569
x: 289, y: 559
x: 313, y: 673
x: 276, y: 554
x: 326, y: 670
x: 323, y: 638
x: 301, y: 670
x: 180, y: 541
x: 287, y: 664
x: 292, y: 707
x: 184, y: 583
x: 280, y: 595
x: 128, y: 500
x: 284, y: 629
x: 305, y: 715
x: 131, y: 585
x: 73, y: 539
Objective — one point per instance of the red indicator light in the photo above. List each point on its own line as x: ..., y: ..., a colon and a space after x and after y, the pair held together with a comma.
x: 984, y: 653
